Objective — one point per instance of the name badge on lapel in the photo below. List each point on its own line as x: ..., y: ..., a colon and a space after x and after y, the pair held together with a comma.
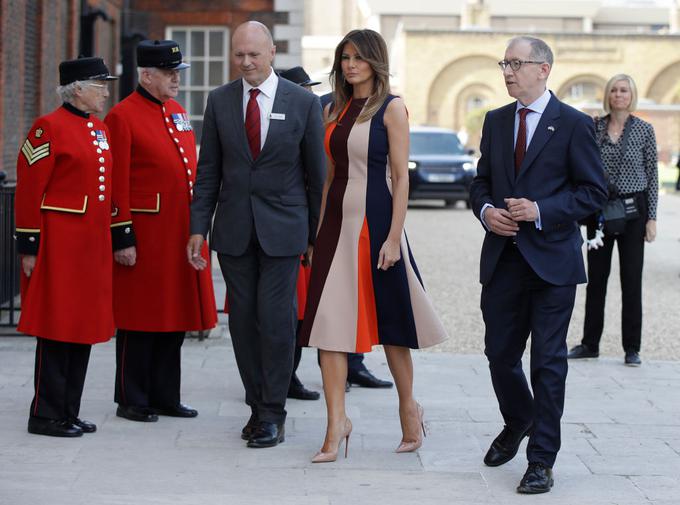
x: 277, y: 116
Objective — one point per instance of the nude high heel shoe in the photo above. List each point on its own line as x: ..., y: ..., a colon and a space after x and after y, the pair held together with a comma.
x: 411, y: 446
x: 329, y: 457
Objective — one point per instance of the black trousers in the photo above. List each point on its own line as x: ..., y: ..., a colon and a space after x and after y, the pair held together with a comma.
x: 262, y: 322
x: 60, y: 369
x: 631, y: 246
x: 148, y: 368
x: 516, y: 303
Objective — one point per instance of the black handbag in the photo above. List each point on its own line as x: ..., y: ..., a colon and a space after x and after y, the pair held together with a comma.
x: 614, y: 216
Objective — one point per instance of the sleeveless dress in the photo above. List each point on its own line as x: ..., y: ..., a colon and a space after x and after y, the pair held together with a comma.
x: 351, y: 304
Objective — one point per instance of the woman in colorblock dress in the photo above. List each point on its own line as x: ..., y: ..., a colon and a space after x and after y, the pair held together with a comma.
x: 365, y: 288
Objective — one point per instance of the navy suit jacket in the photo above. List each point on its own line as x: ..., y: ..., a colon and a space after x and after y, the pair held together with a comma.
x: 562, y: 171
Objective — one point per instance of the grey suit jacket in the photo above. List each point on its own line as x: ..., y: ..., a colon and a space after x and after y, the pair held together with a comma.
x: 279, y: 193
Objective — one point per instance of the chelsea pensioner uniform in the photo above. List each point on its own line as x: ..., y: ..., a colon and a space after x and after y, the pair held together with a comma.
x: 63, y: 216
x: 161, y: 296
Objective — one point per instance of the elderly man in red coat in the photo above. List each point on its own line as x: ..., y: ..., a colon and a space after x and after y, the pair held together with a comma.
x: 157, y: 296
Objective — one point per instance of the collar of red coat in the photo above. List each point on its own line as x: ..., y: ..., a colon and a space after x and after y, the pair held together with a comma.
x: 75, y: 110
x: 148, y: 95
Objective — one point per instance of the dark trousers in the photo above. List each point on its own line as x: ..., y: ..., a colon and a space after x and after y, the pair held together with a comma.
x: 148, y: 368
x: 516, y: 303
x: 60, y: 369
x: 261, y: 293
x: 631, y: 246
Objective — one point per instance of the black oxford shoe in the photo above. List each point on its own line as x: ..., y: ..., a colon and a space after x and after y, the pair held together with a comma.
x: 249, y: 428
x: 267, y: 435
x: 86, y: 426
x: 366, y: 379
x: 505, y: 446
x: 140, y: 414
x: 298, y: 391
x: 179, y: 410
x: 582, y: 351
x: 537, y: 479
x: 53, y: 427
x: 632, y: 359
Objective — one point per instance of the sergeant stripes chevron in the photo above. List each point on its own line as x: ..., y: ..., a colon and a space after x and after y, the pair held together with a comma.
x: 34, y: 154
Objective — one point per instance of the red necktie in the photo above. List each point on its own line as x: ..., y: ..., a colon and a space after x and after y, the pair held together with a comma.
x: 521, y: 144
x: 253, y: 123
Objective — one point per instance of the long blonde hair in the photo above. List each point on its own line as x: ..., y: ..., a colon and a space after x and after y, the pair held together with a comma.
x: 371, y: 47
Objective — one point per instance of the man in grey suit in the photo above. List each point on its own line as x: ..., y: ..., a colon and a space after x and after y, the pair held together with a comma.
x: 262, y: 166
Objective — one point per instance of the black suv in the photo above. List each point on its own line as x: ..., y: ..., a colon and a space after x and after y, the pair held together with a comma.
x: 440, y: 168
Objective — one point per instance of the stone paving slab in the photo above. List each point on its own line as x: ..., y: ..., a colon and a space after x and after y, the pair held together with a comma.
x: 621, y: 439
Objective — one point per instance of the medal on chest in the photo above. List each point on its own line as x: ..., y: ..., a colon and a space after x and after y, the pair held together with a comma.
x: 182, y: 123
x: 102, y: 141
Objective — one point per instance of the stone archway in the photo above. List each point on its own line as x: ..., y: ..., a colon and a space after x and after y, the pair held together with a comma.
x: 665, y: 87
x: 594, y: 83
x: 476, y: 74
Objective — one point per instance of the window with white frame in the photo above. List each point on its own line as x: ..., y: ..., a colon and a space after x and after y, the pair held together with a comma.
x: 206, y: 48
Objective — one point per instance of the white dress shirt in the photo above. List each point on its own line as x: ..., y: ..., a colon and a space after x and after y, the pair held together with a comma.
x: 265, y: 101
x: 538, y: 107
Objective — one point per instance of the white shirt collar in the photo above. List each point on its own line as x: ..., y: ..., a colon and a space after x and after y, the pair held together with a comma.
x: 537, y: 105
x: 267, y: 88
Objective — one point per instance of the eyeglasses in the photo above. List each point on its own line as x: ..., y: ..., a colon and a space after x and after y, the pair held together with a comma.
x: 515, y: 65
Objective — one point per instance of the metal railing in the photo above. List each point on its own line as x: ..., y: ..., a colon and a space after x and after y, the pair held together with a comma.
x: 9, y: 260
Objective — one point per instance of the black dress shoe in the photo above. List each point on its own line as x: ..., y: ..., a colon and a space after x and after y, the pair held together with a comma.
x: 366, y: 379
x: 505, y: 446
x: 582, y: 351
x: 141, y: 414
x: 53, y: 427
x: 537, y: 479
x: 298, y: 391
x: 632, y: 359
x: 86, y: 426
x: 249, y: 428
x: 179, y: 410
x: 267, y: 435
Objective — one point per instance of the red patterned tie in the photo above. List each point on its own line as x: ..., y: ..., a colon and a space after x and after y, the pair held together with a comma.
x: 253, y: 123
x: 521, y: 144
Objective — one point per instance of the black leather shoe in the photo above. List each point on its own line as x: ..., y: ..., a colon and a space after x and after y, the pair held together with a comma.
x: 582, y: 351
x: 632, y: 359
x: 141, y: 414
x: 366, y: 379
x: 298, y: 391
x: 53, y: 427
x: 249, y: 428
x: 537, y: 479
x: 179, y: 410
x: 267, y: 435
x: 505, y: 446
x: 86, y: 426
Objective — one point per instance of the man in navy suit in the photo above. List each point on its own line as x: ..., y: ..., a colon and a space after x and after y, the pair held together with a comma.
x: 539, y: 173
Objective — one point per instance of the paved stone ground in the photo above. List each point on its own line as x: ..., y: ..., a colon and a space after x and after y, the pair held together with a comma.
x: 621, y: 440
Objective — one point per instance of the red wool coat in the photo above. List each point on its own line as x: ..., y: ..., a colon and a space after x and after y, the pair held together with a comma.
x: 63, y: 215
x: 154, y: 152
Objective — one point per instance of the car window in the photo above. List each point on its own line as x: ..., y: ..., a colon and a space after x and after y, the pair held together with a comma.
x: 435, y: 143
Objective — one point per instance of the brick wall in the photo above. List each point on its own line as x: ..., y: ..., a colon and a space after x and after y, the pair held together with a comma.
x: 151, y: 17
x: 35, y: 35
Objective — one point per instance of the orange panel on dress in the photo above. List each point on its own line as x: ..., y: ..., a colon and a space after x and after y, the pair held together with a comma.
x: 367, y: 319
